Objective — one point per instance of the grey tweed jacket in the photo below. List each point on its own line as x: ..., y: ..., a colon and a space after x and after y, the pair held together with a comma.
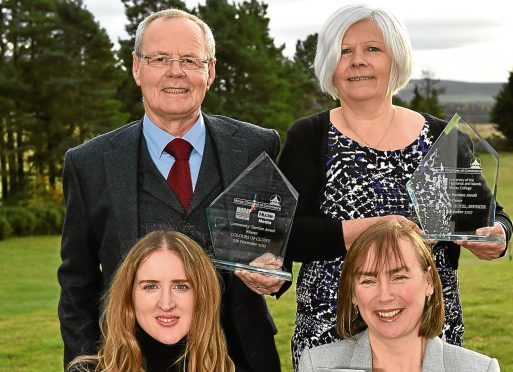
x: 349, y: 355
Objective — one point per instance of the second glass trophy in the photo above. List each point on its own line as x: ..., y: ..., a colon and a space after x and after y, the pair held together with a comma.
x: 453, y: 189
x: 253, y: 218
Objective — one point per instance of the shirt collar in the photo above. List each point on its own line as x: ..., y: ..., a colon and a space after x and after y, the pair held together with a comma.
x: 159, y: 138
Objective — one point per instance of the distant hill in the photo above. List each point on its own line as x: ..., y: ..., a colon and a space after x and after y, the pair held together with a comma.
x: 459, y: 91
x: 471, y: 100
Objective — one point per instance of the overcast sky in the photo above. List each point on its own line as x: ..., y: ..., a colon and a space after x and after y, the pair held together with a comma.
x: 454, y: 39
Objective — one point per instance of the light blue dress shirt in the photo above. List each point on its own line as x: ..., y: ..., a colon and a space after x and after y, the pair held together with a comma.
x: 157, y: 140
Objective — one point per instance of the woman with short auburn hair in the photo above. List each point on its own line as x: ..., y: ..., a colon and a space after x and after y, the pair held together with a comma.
x: 390, y: 310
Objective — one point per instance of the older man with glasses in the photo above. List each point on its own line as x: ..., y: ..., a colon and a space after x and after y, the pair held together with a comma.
x: 161, y: 172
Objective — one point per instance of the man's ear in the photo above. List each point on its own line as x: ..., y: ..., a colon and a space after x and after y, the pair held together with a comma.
x: 211, y: 72
x: 136, y: 64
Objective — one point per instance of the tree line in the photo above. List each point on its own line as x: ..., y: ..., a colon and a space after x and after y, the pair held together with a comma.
x: 62, y: 83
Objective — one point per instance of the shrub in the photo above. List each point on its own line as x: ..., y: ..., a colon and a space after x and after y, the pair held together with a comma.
x: 5, y: 228
x: 499, y: 143
x: 28, y: 220
x: 21, y: 219
x: 49, y: 219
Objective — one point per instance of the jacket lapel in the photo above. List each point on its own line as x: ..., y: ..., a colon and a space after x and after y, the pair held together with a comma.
x: 208, y: 177
x: 224, y: 158
x: 434, y: 357
x: 362, y: 355
x: 231, y: 150
x: 229, y: 154
x: 121, y: 174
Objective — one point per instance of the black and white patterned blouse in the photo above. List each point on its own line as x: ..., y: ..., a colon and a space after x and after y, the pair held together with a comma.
x: 363, y: 182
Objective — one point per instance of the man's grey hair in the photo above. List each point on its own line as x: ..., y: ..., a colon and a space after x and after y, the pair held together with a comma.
x: 170, y: 14
x: 329, y: 45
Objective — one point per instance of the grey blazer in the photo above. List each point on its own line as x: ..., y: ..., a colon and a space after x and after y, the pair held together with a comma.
x: 349, y: 355
x: 100, y: 183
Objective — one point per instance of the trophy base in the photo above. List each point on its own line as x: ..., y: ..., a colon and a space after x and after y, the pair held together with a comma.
x: 232, y: 266
x: 468, y: 238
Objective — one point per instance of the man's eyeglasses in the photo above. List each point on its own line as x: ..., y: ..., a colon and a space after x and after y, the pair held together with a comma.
x: 186, y: 63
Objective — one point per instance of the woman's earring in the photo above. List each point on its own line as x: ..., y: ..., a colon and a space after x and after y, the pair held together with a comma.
x: 428, y: 298
x: 355, y: 308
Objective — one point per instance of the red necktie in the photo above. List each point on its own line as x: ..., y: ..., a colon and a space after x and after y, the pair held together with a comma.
x: 179, y: 177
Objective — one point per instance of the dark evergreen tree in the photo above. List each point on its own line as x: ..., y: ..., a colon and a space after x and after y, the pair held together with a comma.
x: 26, y: 32
x: 502, y: 112
x: 425, y: 96
x: 82, y: 96
x: 396, y: 100
x: 254, y: 81
x: 417, y: 101
x: 304, y: 58
x: 58, y: 79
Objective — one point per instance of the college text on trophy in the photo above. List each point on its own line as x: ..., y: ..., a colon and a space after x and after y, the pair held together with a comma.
x: 453, y: 190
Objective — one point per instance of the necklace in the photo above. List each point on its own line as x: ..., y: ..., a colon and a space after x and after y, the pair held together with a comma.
x: 351, y: 127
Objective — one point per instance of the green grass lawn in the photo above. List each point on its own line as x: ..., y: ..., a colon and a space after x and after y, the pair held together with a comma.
x: 30, y: 338
x: 505, y: 182
x: 29, y: 329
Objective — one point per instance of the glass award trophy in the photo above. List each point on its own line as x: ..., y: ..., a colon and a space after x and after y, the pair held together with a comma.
x: 453, y: 189
x: 253, y: 217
